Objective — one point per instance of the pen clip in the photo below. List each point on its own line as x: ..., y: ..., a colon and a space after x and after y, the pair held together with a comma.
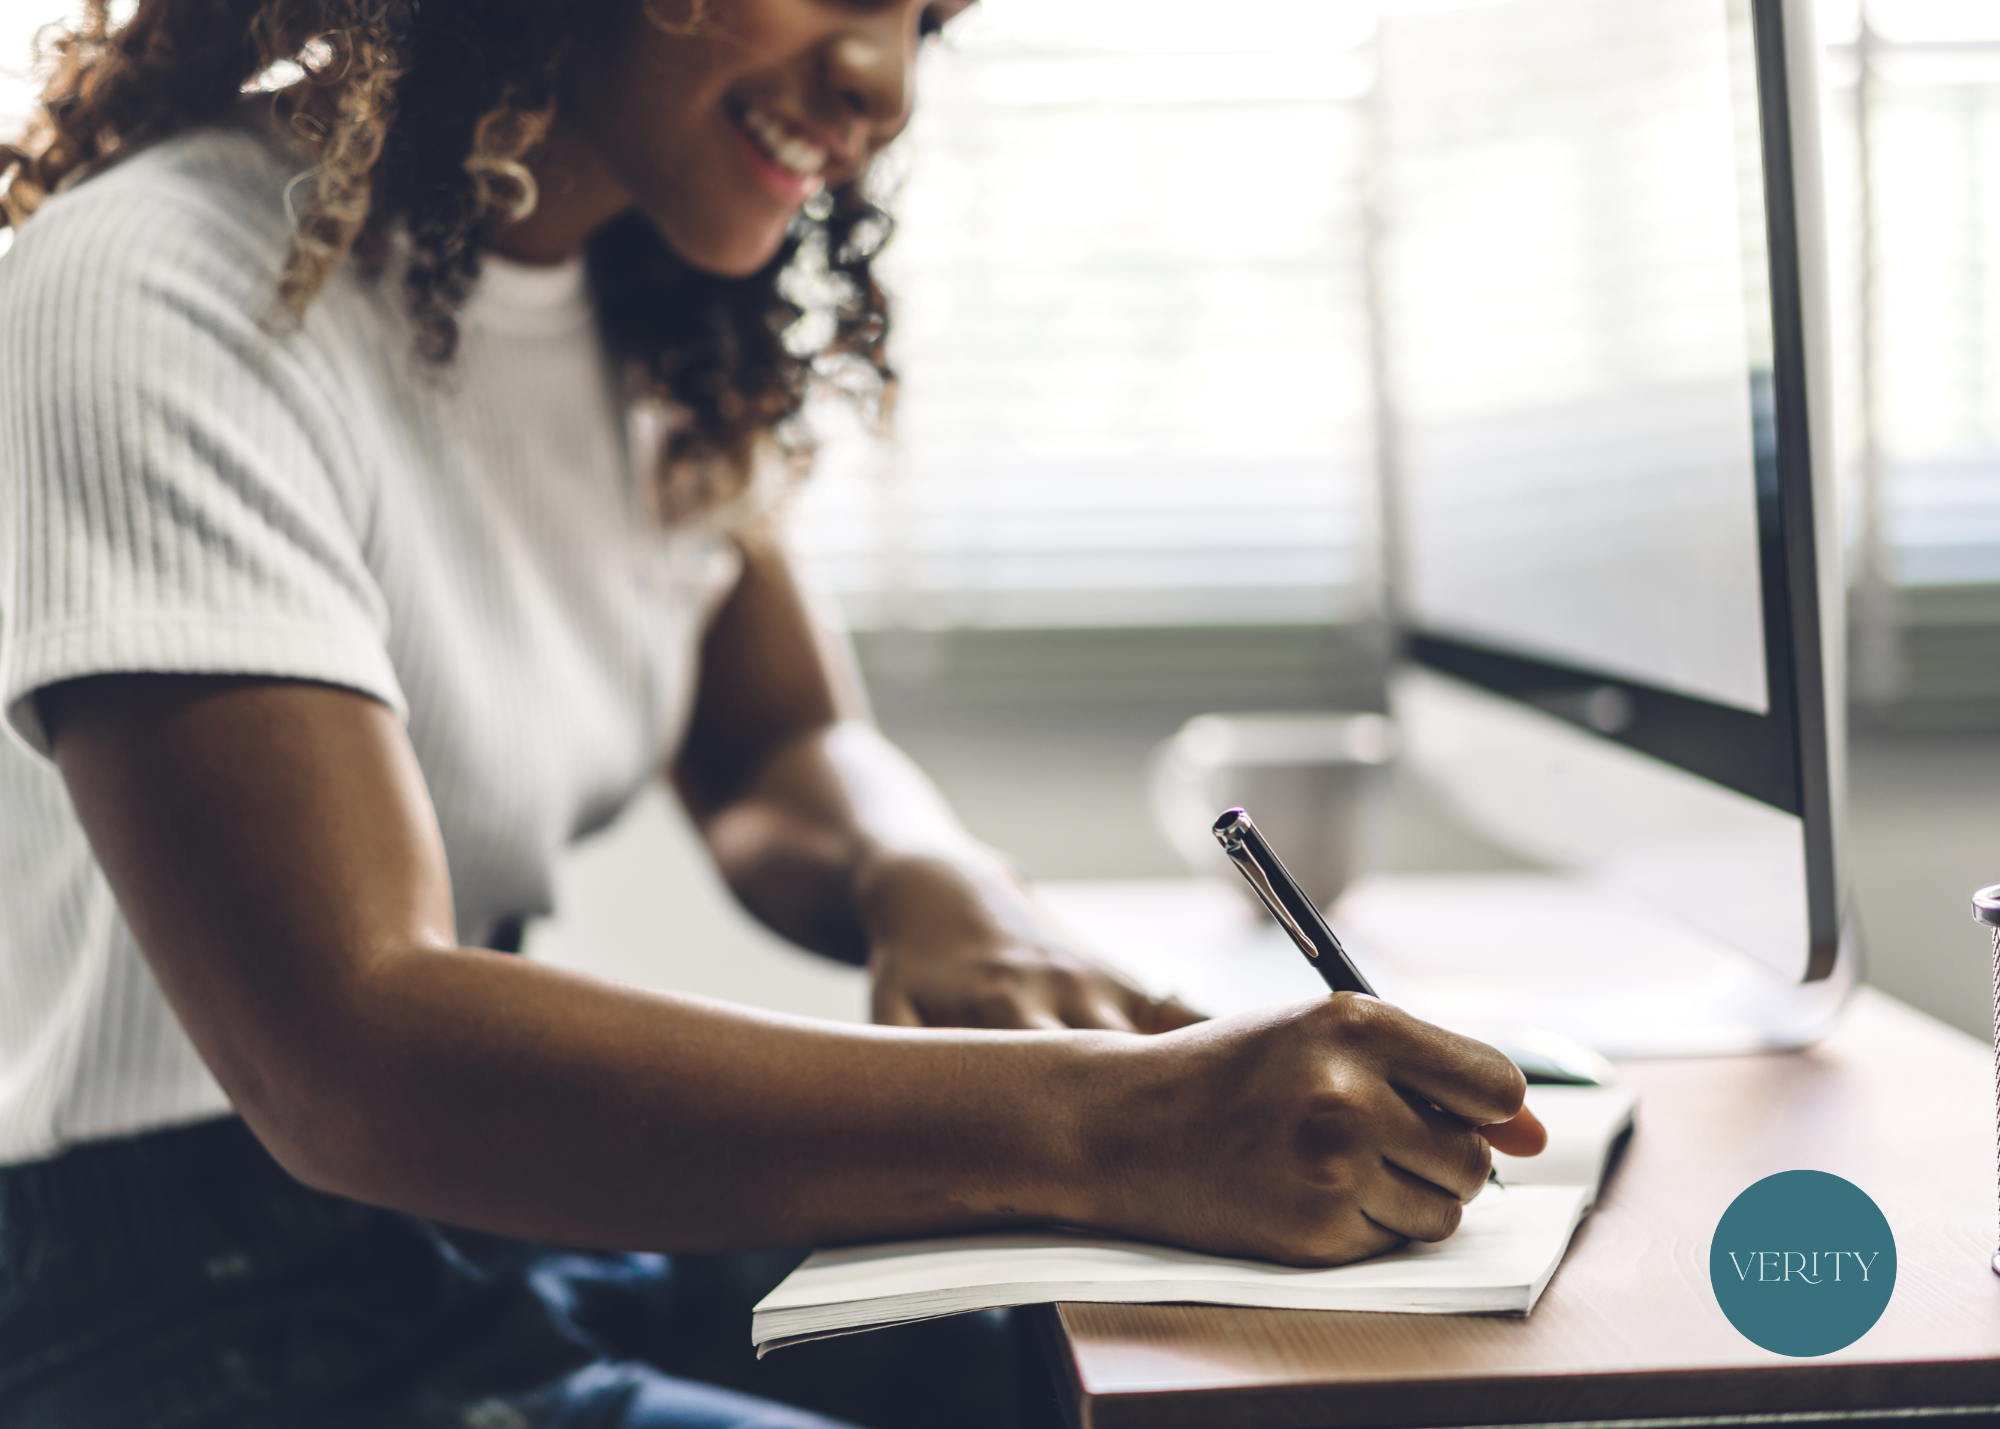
x: 1278, y: 891
x: 1239, y: 852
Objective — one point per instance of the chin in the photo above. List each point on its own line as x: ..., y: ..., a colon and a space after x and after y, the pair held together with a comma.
x: 733, y: 254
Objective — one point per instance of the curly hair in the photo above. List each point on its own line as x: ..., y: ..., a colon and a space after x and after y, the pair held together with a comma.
x: 419, y: 114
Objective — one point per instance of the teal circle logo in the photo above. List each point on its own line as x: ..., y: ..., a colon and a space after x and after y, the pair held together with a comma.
x: 1803, y: 1263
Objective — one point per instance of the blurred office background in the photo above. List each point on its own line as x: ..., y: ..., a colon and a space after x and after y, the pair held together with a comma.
x: 1136, y: 466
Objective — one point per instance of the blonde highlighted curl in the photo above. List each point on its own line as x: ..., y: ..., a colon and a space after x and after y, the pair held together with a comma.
x: 420, y: 115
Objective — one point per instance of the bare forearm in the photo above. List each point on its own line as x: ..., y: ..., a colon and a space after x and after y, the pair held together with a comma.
x: 795, y: 873
x: 832, y: 819
x: 493, y: 1093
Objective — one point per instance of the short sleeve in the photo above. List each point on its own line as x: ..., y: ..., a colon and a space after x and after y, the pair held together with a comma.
x: 176, y: 492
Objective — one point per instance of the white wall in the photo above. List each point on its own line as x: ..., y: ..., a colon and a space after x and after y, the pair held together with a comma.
x: 19, y: 19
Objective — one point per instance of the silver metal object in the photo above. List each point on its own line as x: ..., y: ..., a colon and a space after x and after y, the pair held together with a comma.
x: 1233, y: 844
x: 1266, y: 873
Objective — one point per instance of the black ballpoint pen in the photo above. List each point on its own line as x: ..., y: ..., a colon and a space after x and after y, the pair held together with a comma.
x: 1296, y: 914
x: 1251, y: 853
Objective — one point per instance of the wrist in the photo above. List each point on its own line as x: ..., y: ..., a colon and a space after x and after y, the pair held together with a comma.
x: 924, y: 900
x: 1099, y: 1089
x: 1066, y: 1128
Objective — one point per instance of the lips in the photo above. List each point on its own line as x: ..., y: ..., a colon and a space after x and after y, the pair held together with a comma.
x: 802, y: 160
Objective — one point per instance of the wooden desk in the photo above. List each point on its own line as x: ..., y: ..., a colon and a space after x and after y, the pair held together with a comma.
x: 1629, y: 1330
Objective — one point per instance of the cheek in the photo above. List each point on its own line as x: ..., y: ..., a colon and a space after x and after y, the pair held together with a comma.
x: 657, y: 115
x: 719, y: 232
x: 646, y: 96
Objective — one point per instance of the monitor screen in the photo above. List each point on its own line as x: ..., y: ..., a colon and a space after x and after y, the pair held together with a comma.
x: 1581, y: 333
x: 1599, y: 295
x: 1577, y: 291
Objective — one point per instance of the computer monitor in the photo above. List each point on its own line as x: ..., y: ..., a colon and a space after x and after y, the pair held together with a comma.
x: 1601, y: 299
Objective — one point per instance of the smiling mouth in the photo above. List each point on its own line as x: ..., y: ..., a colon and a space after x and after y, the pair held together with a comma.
x: 802, y: 159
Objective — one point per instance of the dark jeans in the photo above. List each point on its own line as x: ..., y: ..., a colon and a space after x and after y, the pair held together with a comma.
x: 181, y: 1280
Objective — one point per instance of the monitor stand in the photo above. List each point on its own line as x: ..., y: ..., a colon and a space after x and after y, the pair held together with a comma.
x: 1485, y: 953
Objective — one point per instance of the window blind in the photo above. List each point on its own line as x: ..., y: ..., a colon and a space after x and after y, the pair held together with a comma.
x: 1132, y: 326
x: 1931, y: 115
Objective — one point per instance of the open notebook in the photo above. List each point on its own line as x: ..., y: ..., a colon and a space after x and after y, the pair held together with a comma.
x: 1501, y: 1257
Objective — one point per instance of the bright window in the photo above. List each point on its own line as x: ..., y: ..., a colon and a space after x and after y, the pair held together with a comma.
x: 1132, y: 324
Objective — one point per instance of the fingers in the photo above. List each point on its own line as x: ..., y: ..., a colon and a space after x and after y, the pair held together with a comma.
x: 1006, y: 1008
x: 1460, y: 1075
x: 1161, y: 1014
x: 1050, y: 1002
x: 1520, y: 1135
x: 1093, y: 1000
x: 892, y: 1009
x: 1140, y: 1012
x: 998, y: 1011
x: 1024, y: 995
x: 1415, y: 1189
x: 1361, y: 1236
x: 1124, y: 1007
x: 1439, y: 1150
x: 1411, y: 1206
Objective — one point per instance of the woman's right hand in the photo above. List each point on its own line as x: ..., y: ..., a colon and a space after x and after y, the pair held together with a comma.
x: 1311, y: 1135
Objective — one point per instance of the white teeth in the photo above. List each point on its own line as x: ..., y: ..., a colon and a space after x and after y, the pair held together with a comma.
x: 803, y: 159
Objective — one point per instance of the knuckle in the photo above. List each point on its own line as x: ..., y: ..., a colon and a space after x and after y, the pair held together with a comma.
x: 1347, y: 1239
x: 1347, y: 1026
x: 1114, y: 1015
x: 1330, y: 1132
x: 1110, y: 983
x: 1498, y: 1077
x: 1440, y: 1221
x: 1360, y: 1016
x: 997, y: 1007
x: 1481, y: 1157
x: 1325, y: 1239
x: 1337, y: 1092
x: 1000, y: 973
x: 1070, y: 983
x: 1335, y: 1177
x: 1465, y: 1158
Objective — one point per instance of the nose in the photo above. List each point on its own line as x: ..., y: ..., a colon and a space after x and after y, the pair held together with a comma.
x: 870, y: 66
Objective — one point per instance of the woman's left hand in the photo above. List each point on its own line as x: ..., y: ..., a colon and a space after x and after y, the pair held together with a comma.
x: 942, y: 954
x: 832, y: 838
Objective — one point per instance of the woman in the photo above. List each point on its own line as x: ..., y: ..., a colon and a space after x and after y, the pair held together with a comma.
x: 335, y: 605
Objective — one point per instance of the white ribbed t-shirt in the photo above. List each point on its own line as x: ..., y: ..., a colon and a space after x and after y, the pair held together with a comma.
x: 185, y: 489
